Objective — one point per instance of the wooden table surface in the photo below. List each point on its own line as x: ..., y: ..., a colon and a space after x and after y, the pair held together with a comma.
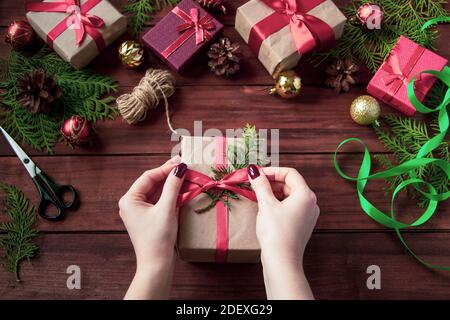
x: 343, y: 245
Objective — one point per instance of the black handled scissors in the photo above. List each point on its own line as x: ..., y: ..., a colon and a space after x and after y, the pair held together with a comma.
x: 52, y: 194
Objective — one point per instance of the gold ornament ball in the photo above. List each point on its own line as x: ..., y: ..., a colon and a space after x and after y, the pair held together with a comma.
x: 131, y: 54
x: 287, y: 85
x: 365, y: 110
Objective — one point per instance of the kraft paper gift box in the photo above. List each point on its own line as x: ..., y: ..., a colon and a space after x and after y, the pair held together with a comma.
x: 200, y: 233
x: 279, y: 32
x: 76, y: 30
x: 407, y: 59
x: 185, y: 32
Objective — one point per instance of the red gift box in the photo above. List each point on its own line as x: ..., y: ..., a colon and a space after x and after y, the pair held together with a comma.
x: 407, y: 59
x: 182, y: 34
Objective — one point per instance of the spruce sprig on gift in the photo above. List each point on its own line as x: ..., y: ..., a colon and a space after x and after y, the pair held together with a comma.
x: 239, y: 156
x: 400, y: 18
x: 84, y: 93
x: 141, y: 12
x: 19, y: 233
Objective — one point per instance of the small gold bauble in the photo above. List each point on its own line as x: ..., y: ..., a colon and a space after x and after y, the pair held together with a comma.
x: 365, y: 110
x: 287, y: 85
x: 131, y: 54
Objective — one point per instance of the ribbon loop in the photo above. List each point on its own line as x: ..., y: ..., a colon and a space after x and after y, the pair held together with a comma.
x: 77, y: 17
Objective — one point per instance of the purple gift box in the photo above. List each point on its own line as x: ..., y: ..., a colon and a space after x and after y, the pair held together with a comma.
x: 182, y: 34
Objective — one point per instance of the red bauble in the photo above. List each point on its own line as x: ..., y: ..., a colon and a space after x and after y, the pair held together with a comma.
x: 20, y: 35
x: 370, y: 15
x: 76, y: 130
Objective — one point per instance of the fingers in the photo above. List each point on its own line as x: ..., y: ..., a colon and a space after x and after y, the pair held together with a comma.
x: 293, y: 180
x: 172, y: 187
x: 260, y: 185
x: 147, y: 182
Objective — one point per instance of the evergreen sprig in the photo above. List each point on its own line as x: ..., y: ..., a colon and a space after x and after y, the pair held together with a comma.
x: 400, y: 18
x: 404, y: 137
x: 239, y: 155
x: 141, y: 12
x: 18, y: 234
x: 84, y: 93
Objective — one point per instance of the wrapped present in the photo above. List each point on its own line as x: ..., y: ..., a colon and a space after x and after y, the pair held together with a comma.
x: 76, y: 29
x: 215, y: 232
x: 407, y: 59
x: 279, y: 32
x: 182, y: 34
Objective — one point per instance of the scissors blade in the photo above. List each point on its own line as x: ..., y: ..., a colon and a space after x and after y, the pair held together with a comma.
x: 32, y: 169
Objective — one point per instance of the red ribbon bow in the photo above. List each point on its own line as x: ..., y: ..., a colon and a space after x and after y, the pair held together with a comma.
x: 396, y: 77
x: 192, y: 25
x: 78, y: 18
x: 307, y: 30
x: 196, y: 183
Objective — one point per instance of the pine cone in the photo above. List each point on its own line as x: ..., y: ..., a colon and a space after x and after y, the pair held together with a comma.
x: 341, y: 75
x: 216, y: 5
x: 37, y: 90
x: 224, y: 57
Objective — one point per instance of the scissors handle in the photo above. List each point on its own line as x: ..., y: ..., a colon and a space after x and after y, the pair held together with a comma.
x: 52, y: 194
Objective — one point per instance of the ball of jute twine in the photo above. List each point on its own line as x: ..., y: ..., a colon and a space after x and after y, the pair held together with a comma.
x: 155, y: 85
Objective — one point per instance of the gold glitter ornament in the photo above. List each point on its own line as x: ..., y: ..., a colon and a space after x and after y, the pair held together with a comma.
x: 365, y: 110
x: 131, y: 54
x: 287, y: 85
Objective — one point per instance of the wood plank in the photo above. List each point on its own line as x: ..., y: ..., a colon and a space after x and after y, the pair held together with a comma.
x: 101, y: 181
x: 335, y: 265
x: 316, y: 122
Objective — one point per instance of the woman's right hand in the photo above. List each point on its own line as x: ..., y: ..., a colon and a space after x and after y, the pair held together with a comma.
x: 283, y: 229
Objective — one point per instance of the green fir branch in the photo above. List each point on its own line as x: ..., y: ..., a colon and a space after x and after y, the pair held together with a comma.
x: 84, y: 93
x: 141, y: 11
x: 400, y: 18
x: 18, y: 233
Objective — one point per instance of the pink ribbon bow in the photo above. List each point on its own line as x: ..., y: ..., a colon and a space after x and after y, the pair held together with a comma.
x: 307, y: 30
x: 192, y: 25
x: 396, y: 77
x: 78, y: 17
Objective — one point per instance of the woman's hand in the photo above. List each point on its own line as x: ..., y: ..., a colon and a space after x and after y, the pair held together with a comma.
x: 150, y: 215
x: 283, y: 229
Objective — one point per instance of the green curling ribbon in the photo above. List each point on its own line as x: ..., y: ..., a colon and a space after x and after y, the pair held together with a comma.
x: 423, y: 158
x: 434, y: 21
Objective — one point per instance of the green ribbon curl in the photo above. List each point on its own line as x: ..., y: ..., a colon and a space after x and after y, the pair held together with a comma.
x: 408, y: 168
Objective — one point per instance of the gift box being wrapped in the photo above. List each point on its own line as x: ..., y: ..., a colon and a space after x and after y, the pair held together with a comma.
x: 407, y: 59
x: 182, y: 34
x: 279, y: 32
x: 212, y: 231
x: 76, y: 29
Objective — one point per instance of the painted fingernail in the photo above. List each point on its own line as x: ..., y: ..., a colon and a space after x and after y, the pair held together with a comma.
x: 180, y: 170
x: 253, y: 171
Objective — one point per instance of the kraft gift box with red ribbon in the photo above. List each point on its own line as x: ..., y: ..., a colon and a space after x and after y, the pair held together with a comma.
x: 221, y: 234
x: 182, y: 34
x: 279, y: 32
x: 407, y: 59
x: 76, y: 29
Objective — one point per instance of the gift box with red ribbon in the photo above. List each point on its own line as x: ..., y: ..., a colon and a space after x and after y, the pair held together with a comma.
x: 221, y: 233
x: 76, y: 29
x: 279, y: 32
x: 182, y: 34
x: 407, y: 59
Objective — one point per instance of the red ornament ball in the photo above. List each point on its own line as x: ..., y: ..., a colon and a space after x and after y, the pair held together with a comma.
x: 370, y: 15
x: 76, y: 130
x: 20, y: 35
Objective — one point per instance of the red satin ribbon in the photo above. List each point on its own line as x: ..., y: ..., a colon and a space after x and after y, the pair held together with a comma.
x: 84, y: 23
x: 193, y: 25
x: 397, y: 77
x: 308, y: 31
x: 196, y: 183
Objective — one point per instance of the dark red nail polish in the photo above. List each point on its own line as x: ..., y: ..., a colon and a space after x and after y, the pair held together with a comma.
x: 180, y: 170
x: 253, y: 171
